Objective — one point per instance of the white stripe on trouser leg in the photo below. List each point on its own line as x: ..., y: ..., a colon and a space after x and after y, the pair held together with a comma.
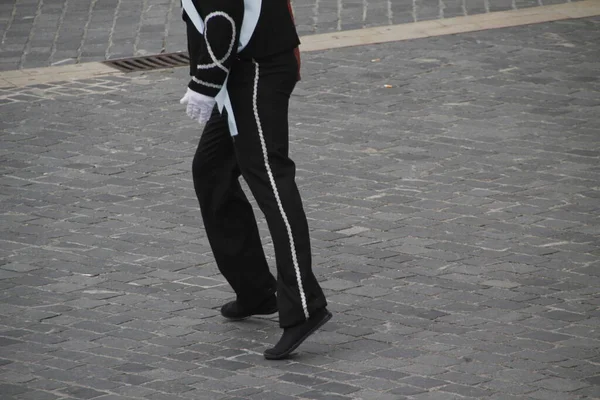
x: 276, y: 192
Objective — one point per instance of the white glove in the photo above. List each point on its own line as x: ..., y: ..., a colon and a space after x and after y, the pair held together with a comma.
x: 199, y: 106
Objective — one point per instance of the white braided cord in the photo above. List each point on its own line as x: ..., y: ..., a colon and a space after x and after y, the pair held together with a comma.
x: 276, y: 192
x: 218, y: 62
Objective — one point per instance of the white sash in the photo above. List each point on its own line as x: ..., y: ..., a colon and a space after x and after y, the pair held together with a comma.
x: 251, y: 16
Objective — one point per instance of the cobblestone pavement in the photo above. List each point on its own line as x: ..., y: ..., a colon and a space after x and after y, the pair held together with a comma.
x: 38, y: 33
x: 454, y: 217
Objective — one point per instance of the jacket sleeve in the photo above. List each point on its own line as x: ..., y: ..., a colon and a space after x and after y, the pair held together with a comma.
x: 217, y: 47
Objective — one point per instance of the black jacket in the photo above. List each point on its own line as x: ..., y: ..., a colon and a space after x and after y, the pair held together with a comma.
x: 274, y: 33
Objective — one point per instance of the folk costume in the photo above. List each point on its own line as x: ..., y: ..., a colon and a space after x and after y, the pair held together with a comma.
x: 244, y: 64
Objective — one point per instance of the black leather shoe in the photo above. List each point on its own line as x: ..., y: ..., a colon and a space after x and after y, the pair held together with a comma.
x: 294, y: 336
x: 236, y: 311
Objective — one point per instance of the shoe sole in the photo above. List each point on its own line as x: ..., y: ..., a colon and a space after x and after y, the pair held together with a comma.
x: 268, y: 312
x: 283, y: 355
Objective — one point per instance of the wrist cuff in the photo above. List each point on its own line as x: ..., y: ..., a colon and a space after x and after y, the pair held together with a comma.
x: 205, y: 88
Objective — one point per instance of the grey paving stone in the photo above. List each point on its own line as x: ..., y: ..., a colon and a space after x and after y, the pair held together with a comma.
x: 468, y: 391
x: 473, y: 273
x: 422, y: 382
x: 386, y: 374
x: 12, y: 390
x: 316, y: 394
x: 81, y: 392
x: 559, y: 384
x: 337, y: 388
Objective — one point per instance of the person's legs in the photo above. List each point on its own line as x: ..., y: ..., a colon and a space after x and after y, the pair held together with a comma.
x: 228, y: 217
x: 260, y: 97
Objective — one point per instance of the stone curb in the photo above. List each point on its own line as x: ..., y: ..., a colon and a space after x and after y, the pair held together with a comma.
x: 449, y: 26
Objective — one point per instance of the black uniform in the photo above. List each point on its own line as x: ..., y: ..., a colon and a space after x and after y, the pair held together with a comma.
x: 260, y: 80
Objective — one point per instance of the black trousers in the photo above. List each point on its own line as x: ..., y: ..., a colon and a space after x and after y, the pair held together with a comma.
x: 259, y: 92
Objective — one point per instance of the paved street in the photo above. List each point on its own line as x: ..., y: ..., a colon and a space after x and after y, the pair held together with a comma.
x: 37, y: 33
x: 454, y: 218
